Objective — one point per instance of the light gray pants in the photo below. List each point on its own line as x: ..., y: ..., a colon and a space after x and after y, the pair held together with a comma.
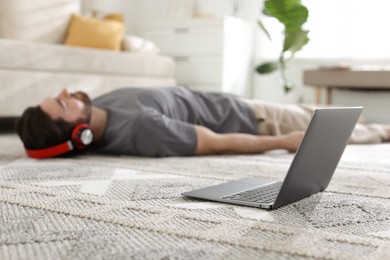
x: 279, y: 119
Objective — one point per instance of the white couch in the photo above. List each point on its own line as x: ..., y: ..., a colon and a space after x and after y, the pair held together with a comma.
x: 35, y: 64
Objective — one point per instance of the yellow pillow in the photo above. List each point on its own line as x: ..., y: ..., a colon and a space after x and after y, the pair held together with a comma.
x: 95, y: 33
x: 115, y: 16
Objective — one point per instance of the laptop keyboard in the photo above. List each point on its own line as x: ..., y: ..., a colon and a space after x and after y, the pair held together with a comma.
x: 263, y: 194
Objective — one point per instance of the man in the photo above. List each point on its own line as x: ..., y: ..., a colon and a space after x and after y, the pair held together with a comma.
x: 173, y: 122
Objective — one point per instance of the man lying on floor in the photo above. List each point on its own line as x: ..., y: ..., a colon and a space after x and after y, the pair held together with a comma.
x: 172, y: 121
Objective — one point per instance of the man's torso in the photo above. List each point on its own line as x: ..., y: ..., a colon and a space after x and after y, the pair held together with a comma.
x: 172, y: 112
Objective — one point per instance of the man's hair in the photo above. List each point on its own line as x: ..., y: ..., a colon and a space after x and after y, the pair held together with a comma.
x: 37, y: 130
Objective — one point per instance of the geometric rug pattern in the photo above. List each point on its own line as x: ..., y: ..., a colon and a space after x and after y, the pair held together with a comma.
x: 127, y: 207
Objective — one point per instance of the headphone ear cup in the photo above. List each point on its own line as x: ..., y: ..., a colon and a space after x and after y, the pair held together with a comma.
x: 82, y: 136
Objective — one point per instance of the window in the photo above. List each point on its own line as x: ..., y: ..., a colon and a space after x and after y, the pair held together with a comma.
x: 341, y: 29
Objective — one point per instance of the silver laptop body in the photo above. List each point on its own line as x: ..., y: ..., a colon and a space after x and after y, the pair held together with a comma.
x: 310, y: 171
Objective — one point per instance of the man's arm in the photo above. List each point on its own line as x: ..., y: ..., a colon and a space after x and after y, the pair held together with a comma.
x: 210, y: 142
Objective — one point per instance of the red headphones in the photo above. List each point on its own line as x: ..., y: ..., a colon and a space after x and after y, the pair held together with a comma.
x: 82, y: 137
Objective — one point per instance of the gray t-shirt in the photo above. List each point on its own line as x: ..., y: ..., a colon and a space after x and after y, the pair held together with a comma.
x: 160, y: 121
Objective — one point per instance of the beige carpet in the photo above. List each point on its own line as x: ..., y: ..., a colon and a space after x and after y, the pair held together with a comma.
x: 96, y: 207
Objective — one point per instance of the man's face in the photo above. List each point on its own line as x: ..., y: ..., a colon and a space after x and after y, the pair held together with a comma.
x: 72, y: 108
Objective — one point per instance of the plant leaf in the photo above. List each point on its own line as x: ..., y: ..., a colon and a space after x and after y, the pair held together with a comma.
x: 267, y: 67
x: 261, y: 25
x: 294, y: 41
x: 265, y: 12
x: 301, y: 41
x: 288, y: 86
x: 280, y: 8
x: 296, y: 17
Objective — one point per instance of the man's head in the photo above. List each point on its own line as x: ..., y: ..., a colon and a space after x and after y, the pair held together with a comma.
x: 53, y: 120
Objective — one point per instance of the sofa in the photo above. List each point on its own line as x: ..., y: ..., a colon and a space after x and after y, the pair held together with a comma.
x: 35, y: 62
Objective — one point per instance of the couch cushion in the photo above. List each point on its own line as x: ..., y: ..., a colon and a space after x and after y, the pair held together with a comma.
x: 23, y: 88
x: 60, y: 58
x: 37, y: 20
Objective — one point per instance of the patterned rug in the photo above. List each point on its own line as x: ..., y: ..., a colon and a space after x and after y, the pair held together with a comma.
x: 102, y: 207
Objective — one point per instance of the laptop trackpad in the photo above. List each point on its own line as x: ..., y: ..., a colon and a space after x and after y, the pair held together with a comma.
x: 227, y: 188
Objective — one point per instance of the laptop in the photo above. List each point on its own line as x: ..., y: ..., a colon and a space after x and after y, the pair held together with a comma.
x: 310, y: 171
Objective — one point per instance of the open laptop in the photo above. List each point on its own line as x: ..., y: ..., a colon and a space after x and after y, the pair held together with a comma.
x: 310, y: 171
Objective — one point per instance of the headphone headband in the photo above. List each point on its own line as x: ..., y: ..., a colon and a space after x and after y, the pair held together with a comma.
x: 51, y: 151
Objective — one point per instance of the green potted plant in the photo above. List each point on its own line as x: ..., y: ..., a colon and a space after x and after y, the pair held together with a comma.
x: 292, y: 14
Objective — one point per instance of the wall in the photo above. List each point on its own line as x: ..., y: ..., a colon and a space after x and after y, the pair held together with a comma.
x: 264, y: 87
x: 136, y: 10
x: 159, y: 9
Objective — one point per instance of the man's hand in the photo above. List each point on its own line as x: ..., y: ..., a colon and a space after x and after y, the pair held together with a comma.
x: 291, y: 141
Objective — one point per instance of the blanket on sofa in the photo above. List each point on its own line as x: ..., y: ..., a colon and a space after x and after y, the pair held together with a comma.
x: 101, y: 207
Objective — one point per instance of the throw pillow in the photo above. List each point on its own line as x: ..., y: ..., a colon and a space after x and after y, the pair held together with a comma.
x: 115, y: 16
x: 95, y: 33
x: 138, y: 44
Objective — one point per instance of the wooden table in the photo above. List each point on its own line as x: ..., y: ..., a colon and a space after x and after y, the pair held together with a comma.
x: 345, y: 78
